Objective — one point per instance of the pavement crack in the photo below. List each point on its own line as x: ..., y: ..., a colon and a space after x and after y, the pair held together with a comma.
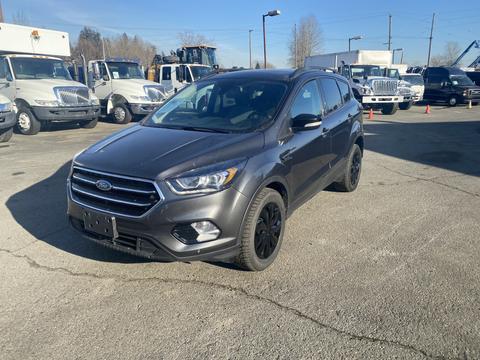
x: 433, y: 181
x: 374, y: 340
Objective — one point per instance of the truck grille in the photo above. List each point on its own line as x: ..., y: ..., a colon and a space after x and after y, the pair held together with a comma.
x: 154, y: 93
x: 384, y: 87
x: 72, y: 95
x: 474, y: 92
x: 115, y: 194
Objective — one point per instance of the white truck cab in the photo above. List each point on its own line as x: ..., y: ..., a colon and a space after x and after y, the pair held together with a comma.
x: 122, y: 89
x: 36, y: 80
x: 7, y: 119
x: 175, y: 76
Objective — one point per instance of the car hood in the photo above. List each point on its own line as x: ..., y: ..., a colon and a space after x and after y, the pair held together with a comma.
x: 159, y: 153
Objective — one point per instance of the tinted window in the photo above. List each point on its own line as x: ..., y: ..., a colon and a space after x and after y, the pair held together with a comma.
x: 344, y: 90
x: 307, y: 100
x: 166, y: 73
x: 230, y: 105
x: 332, y: 94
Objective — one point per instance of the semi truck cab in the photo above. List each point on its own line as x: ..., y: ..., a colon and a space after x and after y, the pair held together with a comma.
x: 123, y: 91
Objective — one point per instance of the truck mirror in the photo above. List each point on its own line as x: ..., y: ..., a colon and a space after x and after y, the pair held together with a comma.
x: 9, y: 77
x: 90, y: 80
x: 96, y: 71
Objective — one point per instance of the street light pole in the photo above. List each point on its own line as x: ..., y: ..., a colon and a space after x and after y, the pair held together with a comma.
x: 250, y: 46
x: 270, y: 13
x: 393, y: 55
x: 358, y: 37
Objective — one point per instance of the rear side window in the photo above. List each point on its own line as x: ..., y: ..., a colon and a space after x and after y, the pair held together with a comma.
x: 166, y: 73
x: 307, y: 101
x: 344, y: 91
x: 333, y: 98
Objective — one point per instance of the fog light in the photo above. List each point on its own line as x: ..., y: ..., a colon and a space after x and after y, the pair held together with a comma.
x: 206, y: 230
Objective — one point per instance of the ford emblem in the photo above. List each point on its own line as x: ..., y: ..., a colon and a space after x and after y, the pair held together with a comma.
x: 103, y: 185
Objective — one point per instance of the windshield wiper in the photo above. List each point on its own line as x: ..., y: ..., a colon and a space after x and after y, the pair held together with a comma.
x: 192, y: 128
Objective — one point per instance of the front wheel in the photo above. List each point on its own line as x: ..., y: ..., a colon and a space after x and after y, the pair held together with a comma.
x: 121, y: 114
x: 453, y: 101
x: 89, y: 124
x: 405, y: 105
x: 27, y: 123
x: 389, y: 109
x: 353, y: 168
x: 262, y: 235
x: 6, y: 135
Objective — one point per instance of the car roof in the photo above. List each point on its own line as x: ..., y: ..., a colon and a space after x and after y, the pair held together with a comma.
x: 285, y: 75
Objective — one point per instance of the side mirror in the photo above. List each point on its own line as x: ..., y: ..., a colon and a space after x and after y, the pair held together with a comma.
x: 446, y: 84
x: 306, y: 122
x: 9, y: 77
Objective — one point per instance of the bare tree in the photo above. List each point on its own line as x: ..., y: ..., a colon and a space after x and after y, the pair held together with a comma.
x: 304, y: 41
x: 189, y: 38
x: 20, y: 18
x: 259, y: 65
x: 449, y: 55
x: 89, y: 43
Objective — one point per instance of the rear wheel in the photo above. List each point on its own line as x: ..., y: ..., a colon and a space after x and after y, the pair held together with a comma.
x: 121, y: 114
x: 353, y: 168
x: 405, y: 105
x: 27, y: 123
x: 389, y: 109
x: 6, y: 135
x: 263, y: 231
x: 89, y: 124
x: 453, y: 101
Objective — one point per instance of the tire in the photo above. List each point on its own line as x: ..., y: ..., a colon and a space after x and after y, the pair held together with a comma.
x: 405, y: 105
x: 389, y: 109
x: 90, y: 124
x: 257, y: 238
x: 27, y: 123
x: 121, y: 114
x: 6, y: 135
x: 352, y: 172
x: 452, y: 101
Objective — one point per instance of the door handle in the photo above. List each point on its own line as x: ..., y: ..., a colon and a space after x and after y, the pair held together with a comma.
x: 286, y: 155
x: 325, y: 131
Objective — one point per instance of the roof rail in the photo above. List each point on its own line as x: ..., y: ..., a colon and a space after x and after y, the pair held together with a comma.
x: 302, y: 70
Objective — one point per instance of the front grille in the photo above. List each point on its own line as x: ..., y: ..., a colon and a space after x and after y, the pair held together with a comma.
x: 474, y: 92
x: 72, y: 95
x: 154, y: 93
x: 384, y: 87
x: 120, y: 195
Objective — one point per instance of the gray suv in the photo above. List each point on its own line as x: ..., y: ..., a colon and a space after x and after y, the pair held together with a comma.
x: 214, y: 173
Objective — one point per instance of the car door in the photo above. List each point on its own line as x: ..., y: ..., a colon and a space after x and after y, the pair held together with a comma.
x: 306, y: 153
x: 338, y: 117
x: 103, y: 83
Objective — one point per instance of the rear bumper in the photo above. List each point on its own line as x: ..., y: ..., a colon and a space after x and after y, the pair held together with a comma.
x: 381, y: 99
x: 143, y: 109
x: 66, y: 114
x: 7, y: 120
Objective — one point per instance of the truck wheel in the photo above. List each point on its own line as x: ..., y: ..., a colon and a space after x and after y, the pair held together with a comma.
x: 27, y: 123
x: 6, y: 135
x: 90, y: 124
x: 405, y: 105
x: 453, y: 101
x: 262, y: 235
x: 351, y: 174
x: 389, y: 109
x: 121, y: 114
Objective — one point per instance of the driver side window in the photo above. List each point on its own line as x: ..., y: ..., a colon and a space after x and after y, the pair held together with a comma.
x: 307, y: 101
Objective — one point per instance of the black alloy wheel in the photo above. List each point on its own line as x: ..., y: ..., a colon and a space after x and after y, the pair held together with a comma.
x: 267, y: 230
x: 355, y: 168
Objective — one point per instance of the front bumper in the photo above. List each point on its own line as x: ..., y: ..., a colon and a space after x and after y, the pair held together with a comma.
x: 7, y: 120
x: 144, y: 109
x: 380, y: 99
x: 151, y: 236
x: 66, y: 114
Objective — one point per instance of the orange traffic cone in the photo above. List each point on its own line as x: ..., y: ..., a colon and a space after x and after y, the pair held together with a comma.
x: 370, y: 114
x: 427, y: 110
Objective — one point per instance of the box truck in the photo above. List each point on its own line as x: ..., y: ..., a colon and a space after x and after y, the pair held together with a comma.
x: 364, y: 70
x: 35, y: 78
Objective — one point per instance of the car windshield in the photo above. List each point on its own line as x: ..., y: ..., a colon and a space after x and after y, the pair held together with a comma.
x: 413, y: 79
x: 221, y: 105
x: 362, y: 71
x: 39, y: 68
x: 200, y: 71
x: 125, y: 70
x: 461, y: 80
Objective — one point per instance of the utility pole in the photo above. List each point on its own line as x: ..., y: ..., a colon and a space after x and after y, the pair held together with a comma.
x: 103, y: 48
x: 430, y: 42
x: 295, y: 34
x: 250, y: 45
x: 389, y: 31
x: 1, y: 13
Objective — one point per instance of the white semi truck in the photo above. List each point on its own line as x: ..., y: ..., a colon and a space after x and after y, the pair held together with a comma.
x: 36, y: 80
x: 123, y: 91
x: 364, y: 70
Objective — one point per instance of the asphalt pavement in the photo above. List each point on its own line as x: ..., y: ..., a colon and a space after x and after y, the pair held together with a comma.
x: 390, y: 271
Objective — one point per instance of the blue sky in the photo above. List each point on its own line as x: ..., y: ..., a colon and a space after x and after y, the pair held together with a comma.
x: 228, y: 22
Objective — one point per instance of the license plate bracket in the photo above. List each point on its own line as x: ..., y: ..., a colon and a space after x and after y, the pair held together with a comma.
x: 100, y: 224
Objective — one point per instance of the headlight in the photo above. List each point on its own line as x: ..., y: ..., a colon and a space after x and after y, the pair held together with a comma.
x: 47, y: 102
x: 6, y: 107
x: 205, y: 180
x: 140, y: 98
x: 93, y: 99
x: 465, y: 92
x: 367, y: 91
